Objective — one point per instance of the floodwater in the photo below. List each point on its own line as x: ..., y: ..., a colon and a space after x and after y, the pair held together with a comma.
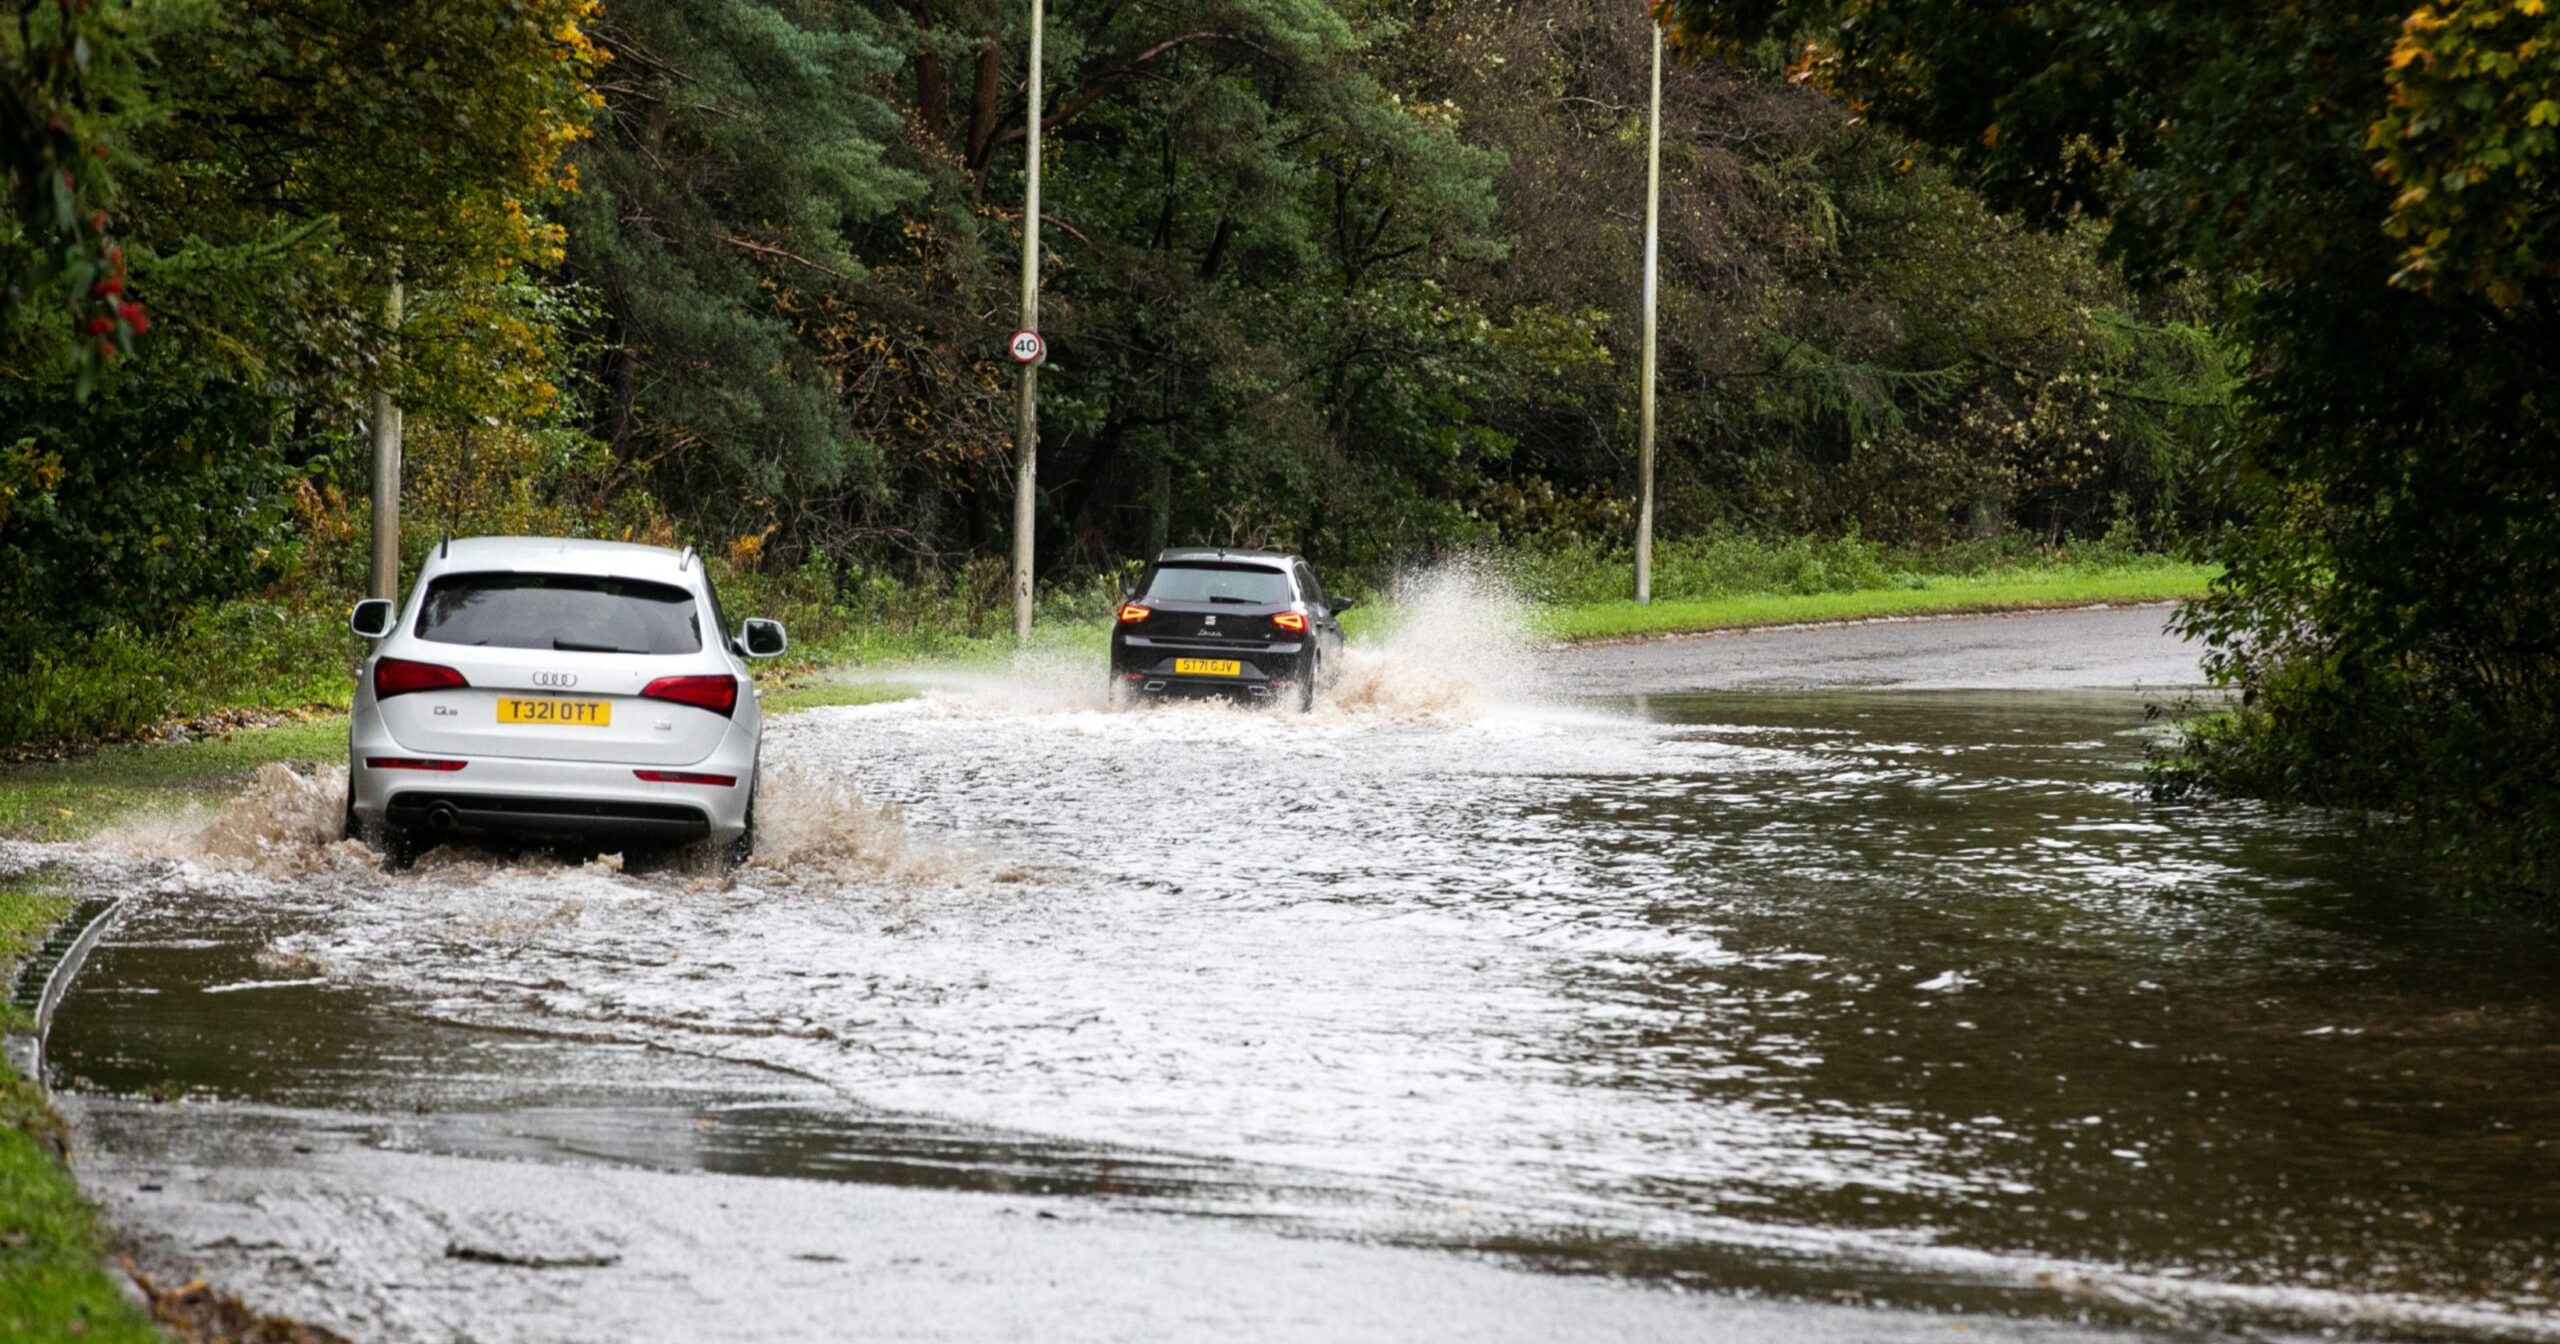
x: 1902, y: 997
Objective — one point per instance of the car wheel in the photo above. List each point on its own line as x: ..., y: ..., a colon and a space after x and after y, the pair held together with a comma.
x: 734, y: 855
x: 1307, y: 684
x: 399, y: 845
x: 347, y: 829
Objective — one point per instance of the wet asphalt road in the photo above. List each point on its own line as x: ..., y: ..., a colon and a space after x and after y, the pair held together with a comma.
x: 2109, y: 647
x: 543, y: 1185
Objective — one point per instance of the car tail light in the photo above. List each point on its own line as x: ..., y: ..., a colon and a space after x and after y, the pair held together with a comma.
x: 1131, y: 613
x: 681, y: 777
x: 717, y: 694
x: 399, y: 676
x: 1290, y: 620
x: 411, y: 763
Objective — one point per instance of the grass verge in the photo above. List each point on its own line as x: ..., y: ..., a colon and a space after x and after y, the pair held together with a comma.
x: 53, y: 1254
x: 67, y: 799
x: 2014, y: 590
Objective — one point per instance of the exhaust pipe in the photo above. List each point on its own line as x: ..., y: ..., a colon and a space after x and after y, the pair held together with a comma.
x: 443, y: 817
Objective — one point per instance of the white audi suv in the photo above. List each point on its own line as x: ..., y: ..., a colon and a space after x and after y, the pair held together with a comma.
x: 556, y: 691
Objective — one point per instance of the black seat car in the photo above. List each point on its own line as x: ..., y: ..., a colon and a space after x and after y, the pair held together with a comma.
x: 1253, y: 625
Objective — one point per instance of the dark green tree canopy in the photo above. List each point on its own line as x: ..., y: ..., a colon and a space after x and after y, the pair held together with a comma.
x: 2367, y: 184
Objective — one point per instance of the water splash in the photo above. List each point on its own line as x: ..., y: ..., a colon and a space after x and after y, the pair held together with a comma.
x: 817, y: 827
x: 284, y: 823
x: 1456, y: 644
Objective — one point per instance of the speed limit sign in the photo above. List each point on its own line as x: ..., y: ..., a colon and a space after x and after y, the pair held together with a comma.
x: 1027, y: 347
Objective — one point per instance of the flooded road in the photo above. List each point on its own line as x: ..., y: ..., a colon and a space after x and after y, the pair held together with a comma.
x: 1902, y: 998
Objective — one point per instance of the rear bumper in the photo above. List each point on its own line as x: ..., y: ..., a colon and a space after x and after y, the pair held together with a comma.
x: 434, y: 812
x: 1198, y: 688
x: 1151, y: 661
x: 581, y: 800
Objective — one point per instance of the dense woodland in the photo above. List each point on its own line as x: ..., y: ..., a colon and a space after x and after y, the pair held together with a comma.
x: 1354, y: 276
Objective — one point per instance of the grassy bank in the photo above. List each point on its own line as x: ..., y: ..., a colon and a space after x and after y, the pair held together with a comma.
x: 53, y: 1258
x: 66, y: 799
x: 279, y: 655
x: 2007, y: 590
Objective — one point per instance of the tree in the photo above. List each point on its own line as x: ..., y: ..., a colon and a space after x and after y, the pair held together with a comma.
x: 66, y: 89
x: 742, y: 162
x: 278, y: 164
x: 2367, y: 186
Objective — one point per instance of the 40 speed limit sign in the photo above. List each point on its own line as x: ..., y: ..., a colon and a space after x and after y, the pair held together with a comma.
x: 1026, y: 347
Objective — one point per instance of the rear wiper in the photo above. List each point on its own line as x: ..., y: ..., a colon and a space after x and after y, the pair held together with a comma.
x: 573, y: 646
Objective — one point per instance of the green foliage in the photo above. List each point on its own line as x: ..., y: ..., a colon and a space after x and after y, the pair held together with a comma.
x: 2367, y: 189
x: 67, y: 81
x: 276, y: 163
x: 2470, y: 136
x: 741, y: 156
x: 118, y: 682
x: 1348, y: 277
x: 1851, y: 338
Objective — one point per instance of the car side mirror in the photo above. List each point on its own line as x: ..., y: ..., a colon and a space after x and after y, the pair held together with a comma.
x: 373, y: 618
x: 1128, y: 591
x: 1343, y: 604
x: 762, y: 639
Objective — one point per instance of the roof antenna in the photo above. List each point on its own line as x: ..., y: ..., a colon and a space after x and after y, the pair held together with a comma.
x: 685, y: 562
x: 445, y: 551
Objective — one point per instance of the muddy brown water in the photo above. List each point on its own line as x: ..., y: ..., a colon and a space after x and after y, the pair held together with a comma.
x: 1910, y: 997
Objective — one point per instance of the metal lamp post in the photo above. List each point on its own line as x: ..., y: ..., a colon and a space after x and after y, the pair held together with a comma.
x: 1652, y: 323
x: 1026, y: 479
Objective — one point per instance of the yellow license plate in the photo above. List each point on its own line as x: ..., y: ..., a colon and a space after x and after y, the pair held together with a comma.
x: 1207, y: 667
x: 557, y: 713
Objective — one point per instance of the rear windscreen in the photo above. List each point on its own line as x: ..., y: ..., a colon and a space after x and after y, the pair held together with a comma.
x: 571, y: 612
x: 1221, y: 583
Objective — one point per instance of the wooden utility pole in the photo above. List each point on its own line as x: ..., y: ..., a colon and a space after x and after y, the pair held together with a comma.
x: 1652, y: 324
x: 386, y: 466
x: 1026, y: 479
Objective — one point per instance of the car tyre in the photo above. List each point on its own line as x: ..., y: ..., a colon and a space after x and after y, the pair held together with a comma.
x: 399, y: 846
x: 734, y: 855
x: 1307, y: 683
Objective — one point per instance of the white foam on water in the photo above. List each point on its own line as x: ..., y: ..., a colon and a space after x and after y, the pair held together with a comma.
x: 1456, y: 645
x: 284, y: 823
x: 816, y: 827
